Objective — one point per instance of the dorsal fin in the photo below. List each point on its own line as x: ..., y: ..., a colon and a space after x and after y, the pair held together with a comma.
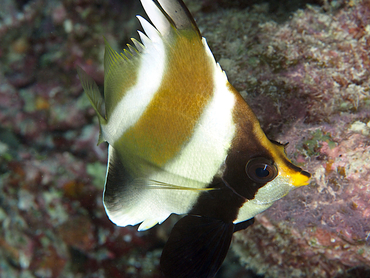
x: 111, y: 59
x: 167, y: 13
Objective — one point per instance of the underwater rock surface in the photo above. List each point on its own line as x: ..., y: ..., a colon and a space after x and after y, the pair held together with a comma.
x: 321, y: 63
x: 305, y: 73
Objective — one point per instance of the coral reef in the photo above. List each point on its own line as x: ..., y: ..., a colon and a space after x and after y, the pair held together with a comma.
x: 304, y: 72
x: 308, y: 81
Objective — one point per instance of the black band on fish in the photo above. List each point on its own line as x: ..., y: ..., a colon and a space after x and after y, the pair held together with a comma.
x: 196, y: 247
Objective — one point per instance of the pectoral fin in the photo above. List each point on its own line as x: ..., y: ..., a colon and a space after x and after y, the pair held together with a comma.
x: 196, y: 247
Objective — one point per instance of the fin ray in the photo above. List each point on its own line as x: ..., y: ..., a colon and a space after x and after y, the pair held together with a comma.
x: 144, y: 39
x: 176, y: 12
x: 149, y: 29
x: 156, y: 16
x: 111, y: 59
x: 180, y: 15
x: 139, y: 46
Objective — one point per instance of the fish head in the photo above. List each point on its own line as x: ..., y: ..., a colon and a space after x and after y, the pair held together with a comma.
x: 275, y: 175
x: 258, y: 170
x: 256, y: 164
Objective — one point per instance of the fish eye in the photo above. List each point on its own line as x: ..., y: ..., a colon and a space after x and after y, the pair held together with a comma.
x: 261, y: 170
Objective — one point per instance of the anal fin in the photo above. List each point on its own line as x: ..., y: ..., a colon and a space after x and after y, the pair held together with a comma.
x: 196, y: 247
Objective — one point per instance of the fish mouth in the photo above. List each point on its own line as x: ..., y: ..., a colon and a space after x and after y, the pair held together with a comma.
x: 305, y: 173
x: 302, y: 178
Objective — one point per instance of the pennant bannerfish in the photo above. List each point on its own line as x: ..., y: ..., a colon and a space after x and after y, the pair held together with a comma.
x: 182, y: 140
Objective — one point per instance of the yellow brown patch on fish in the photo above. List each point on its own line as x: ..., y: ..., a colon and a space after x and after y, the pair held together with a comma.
x: 175, y: 109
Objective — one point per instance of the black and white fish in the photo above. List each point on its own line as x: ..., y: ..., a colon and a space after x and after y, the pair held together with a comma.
x: 182, y: 140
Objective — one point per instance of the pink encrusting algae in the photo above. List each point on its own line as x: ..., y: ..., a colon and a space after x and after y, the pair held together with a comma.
x: 320, y: 61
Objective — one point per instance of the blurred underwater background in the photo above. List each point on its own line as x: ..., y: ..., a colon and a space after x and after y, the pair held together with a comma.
x: 303, y: 67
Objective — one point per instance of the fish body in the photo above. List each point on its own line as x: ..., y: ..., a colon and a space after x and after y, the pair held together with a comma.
x: 182, y: 140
